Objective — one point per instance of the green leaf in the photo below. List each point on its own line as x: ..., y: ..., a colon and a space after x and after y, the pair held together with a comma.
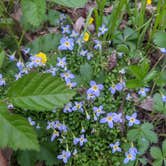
x: 16, y: 133
x: 143, y: 145
x: 134, y: 83
x: 44, y: 43
x: 158, y: 162
x: 86, y: 72
x: 38, y: 91
x: 158, y: 105
x: 150, y: 76
x: 156, y: 152
x: 71, y: 3
x: 2, y: 57
x: 161, y: 79
x: 122, y: 48
x: 133, y: 134
x: 164, y: 148
x: 160, y: 39
x: 53, y: 17
x: 34, y: 11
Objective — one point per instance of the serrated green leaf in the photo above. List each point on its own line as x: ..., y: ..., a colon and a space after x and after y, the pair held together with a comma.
x: 133, y: 134
x: 39, y: 91
x: 156, y: 152
x: 44, y: 43
x: 86, y: 72
x: 71, y: 3
x: 53, y: 17
x: 164, y: 148
x: 34, y: 11
x: 158, y: 163
x: 161, y: 79
x: 122, y: 48
x: 160, y: 39
x: 16, y: 133
x: 143, y: 145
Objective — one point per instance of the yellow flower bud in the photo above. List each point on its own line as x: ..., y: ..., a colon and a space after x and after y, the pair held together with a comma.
x: 42, y: 56
x: 86, y: 36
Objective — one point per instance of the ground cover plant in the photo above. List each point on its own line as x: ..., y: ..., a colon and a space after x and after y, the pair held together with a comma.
x: 82, y: 83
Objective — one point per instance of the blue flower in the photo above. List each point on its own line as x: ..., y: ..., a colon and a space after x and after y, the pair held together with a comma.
x: 78, y: 106
x: 108, y: 119
x: 128, y: 97
x: 164, y: 98
x: 115, y: 147
x: 98, y: 110
x: 89, y: 55
x: 132, y: 119
x: 119, y: 86
x: 70, y: 84
x: 113, y: 90
x: 117, y: 117
x: 54, y: 135
x: 130, y: 155
x: 97, y: 44
x: 66, y: 29
x: 20, y: 65
x: 83, y: 52
x: 31, y: 122
x: 80, y: 140
x: 65, y: 155
x: 163, y: 50
x: 61, y: 62
x: 102, y: 30
x: 12, y: 57
x: 95, y: 88
x: 143, y: 91
x: 66, y: 44
x: 50, y: 125
x: 90, y: 95
x: 74, y: 34
x: 2, y: 81
x: 67, y: 75
x: 68, y: 107
x: 52, y: 70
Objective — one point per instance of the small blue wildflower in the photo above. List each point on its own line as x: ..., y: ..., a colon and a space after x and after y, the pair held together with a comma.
x: 66, y: 44
x: 130, y: 155
x: 119, y: 86
x: 54, y: 135
x: 164, y: 98
x: 112, y: 90
x: 12, y: 57
x: 74, y: 34
x: 20, y: 65
x: 10, y: 106
x: 163, y: 50
x: 132, y: 119
x: 75, y: 152
x: 98, y: 110
x: 87, y: 116
x: 2, y: 81
x: 83, y: 52
x: 142, y: 92
x: 128, y: 97
x: 78, y: 106
x: 102, y: 30
x: 26, y: 50
x: 67, y: 75
x: 95, y: 88
x: 82, y: 130
x: 65, y: 155
x: 97, y: 44
x: 89, y: 56
x: 122, y: 71
x: 66, y: 29
x: 117, y: 117
x: 61, y: 62
x: 68, y: 108
x: 108, y: 119
x: 17, y: 76
x: 90, y: 95
x: 115, y: 147
x: 52, y: 70
x: 62, y: 17
x: 50, y: 125
x: 70, y: 84
x: 80, y: 140
x: 31, y: 122
x: 95, y: 117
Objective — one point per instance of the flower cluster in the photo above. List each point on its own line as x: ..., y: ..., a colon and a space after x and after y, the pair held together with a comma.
x: 130, y: 155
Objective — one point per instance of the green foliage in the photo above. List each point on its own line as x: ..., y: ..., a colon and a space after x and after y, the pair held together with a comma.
x: 160, y: 39
x: 71, y: 3
x: 29, y: 158
x: 53, y: 17
x: 161, y: 78
x: 38, y: 91
x: 34, y: 11
x: 143, y: 135
x: 158, y: 104
x: 86, y: 74
x: 158, y: 154
x: 16, y: 132
x: 44, y: 43
x: 141, y: 74
x: 2, y: 57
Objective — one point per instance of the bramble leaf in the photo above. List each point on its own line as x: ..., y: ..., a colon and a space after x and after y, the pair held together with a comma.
x: 40, y: 92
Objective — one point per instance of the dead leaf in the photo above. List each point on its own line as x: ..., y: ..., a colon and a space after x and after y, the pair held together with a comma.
x: 79, y: 24
x: 3, y: 161
x: 17, y: 15
x: 146, y: 104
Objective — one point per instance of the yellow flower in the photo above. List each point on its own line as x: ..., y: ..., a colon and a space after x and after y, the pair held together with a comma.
x: 149, y: 2
x: 42, y: 56
x: 91, y: 20
x: 86, y: 36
